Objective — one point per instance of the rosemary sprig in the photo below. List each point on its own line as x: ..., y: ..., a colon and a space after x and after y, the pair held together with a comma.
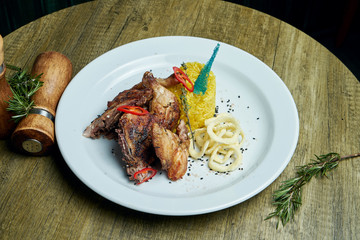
x: 287, y: 198
x: 185, y: 103
x: 23, y: 86
x: 186, y: 109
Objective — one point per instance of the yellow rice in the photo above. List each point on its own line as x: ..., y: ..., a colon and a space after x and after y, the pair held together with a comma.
x: 201, y: 107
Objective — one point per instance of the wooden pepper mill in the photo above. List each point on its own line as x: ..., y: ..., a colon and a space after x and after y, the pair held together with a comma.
x: 35, y: 134
x: 6, y: 124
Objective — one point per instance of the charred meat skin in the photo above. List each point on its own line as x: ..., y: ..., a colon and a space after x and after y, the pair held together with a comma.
x: 105, y: 124
x: 134, y: 134
x: 164, y: 105
x: 135, y: 140
x: 172, y: 149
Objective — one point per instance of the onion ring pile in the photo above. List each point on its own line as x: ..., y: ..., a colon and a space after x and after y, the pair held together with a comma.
x: 220, y: 140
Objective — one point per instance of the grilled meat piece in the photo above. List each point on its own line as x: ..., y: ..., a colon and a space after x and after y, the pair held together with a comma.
x: 134, y: 138
x: 169, y: 81
x: 172, y: 149
x: 134, y: 133
x: 164, y: 105
x: 107, y: 122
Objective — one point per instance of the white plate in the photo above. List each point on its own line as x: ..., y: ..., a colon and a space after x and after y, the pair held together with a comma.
x: 261, y: 102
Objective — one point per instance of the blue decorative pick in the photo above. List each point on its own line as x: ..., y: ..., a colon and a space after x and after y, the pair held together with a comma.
x: 201, y: 82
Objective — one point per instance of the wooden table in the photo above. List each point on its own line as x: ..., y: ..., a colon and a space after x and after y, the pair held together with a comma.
x: 40, y: 198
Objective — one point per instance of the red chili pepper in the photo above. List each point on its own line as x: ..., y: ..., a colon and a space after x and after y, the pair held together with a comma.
x: 183, y: 78
x: 133, y: 110
x: 145, y: 170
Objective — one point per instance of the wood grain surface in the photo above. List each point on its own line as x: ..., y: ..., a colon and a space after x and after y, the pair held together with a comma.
x: 40, y: 198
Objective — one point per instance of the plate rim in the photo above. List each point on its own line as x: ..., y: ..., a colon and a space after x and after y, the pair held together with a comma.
x: 190, y: 211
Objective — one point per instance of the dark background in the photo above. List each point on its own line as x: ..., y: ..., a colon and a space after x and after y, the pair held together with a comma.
x: 16, y: 13
x: 335, y: 24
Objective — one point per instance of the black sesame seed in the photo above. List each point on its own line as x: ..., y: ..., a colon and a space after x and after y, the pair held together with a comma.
x: 201, y: 178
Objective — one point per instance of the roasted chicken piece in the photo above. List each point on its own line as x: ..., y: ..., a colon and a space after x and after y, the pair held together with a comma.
x: 168, y: 82
x: 134, y: 138
x: 107, y: 122
x: 134, y: 132
x: 164, y: 105
x: 172, y: 149
x: 138, y: 135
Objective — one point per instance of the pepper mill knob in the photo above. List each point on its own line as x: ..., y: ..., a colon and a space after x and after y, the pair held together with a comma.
x: 6, y: 124
x: 35, y: 134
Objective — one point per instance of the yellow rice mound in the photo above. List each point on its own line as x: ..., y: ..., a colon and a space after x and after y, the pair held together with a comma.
x: 201, y: 107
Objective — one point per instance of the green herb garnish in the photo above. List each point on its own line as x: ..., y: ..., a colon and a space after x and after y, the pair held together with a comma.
x: 186, y: 108
x: 23, y: 86
x: 185, y: 103
x: 287, y: 198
